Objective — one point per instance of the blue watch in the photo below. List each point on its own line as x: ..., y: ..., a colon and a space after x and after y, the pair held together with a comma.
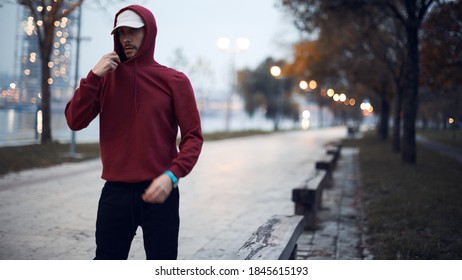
x: 172, y: 177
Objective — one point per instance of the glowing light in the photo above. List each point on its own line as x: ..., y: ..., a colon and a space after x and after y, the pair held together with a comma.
x: 364, y: 106
x: 313, y: 84
x: 62, y: 71
x: 342, y: 97
x: 275, y: 71
x: 50, y: 81
x: 367, y: 108
x: 450, y: 120
x: 242, y: 43
x: 305, y: 119
x: 223, y: 43
x: 39, y: 121
x: 33, y: 57
x: 330, y: 92
x: 303, y: 85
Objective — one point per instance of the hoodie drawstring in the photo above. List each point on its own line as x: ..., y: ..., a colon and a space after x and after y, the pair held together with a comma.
x: 136, y: 86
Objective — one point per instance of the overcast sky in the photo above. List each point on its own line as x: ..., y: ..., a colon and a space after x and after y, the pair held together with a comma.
x: 192, y: 26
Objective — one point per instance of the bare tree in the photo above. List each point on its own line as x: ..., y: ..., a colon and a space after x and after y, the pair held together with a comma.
x: 46, y: 16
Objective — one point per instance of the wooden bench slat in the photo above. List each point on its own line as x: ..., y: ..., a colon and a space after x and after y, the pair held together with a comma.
x: 308, y: 197
x: 274, y: 240
x: 327, y: 162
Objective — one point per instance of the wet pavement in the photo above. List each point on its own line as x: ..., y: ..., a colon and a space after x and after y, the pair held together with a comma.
x: 340, y: 230
x: 236, y: 186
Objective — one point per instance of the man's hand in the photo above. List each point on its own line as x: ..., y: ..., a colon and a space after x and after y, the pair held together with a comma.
x: 107, y: 63
x: 159, y: 190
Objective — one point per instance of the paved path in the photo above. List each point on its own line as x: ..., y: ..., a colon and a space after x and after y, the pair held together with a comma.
x: 440, y: 148
x: 340, y: 231
x: 237, y: 184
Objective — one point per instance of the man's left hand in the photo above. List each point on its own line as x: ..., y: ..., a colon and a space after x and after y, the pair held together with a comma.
x: 159, y: 190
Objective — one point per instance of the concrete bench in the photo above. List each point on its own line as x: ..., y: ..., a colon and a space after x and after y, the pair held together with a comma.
x: 334, y: 149
x: 274, y: 240
x: 326, y: 162
x: 308, y: 197
x: 352, y: 129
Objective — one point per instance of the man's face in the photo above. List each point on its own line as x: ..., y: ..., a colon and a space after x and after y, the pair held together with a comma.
x: 131, y: 39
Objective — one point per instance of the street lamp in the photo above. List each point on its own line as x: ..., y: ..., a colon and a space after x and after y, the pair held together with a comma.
x: 276, y: 72
x: 330, y: 92
x: 303, y: 85
x: 312, y: 85
x: 241, y: 45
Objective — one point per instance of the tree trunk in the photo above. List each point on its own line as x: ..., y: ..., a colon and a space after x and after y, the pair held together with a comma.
x: 45, y: 53
x: 384, y: 117
x: 410, y: 99
x: 396, y: 141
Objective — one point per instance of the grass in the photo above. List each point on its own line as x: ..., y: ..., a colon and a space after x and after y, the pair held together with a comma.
x: 451, y: 137
x: 413, y: 212
x: 19, y: 158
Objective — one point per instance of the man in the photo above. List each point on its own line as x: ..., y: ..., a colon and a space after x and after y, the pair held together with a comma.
x: 140, y: 104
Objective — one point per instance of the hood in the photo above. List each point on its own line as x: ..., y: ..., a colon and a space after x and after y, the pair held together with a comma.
x: 146, y: 52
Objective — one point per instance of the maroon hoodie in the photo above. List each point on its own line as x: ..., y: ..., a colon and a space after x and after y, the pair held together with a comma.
x: 141, y: 105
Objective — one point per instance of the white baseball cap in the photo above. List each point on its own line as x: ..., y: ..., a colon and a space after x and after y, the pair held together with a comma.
x: 128, y: 18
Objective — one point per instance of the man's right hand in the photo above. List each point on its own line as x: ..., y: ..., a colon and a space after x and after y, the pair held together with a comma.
x: 107, y: 63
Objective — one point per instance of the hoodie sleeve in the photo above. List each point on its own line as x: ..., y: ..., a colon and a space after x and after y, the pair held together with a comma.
x: 189, y: 122
x: 84, y: 105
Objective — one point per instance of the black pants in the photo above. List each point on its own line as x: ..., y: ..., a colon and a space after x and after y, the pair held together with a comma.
x: 121, y: 210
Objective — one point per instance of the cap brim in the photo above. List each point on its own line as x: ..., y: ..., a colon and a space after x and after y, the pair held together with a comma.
x: 132, y: 24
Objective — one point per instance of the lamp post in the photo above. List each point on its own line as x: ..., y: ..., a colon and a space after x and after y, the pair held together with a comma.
x: 241, y: 45
x: 78, y: 39
x: 72, y: 149
x: 312, y: 85
x: 276, y: 73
